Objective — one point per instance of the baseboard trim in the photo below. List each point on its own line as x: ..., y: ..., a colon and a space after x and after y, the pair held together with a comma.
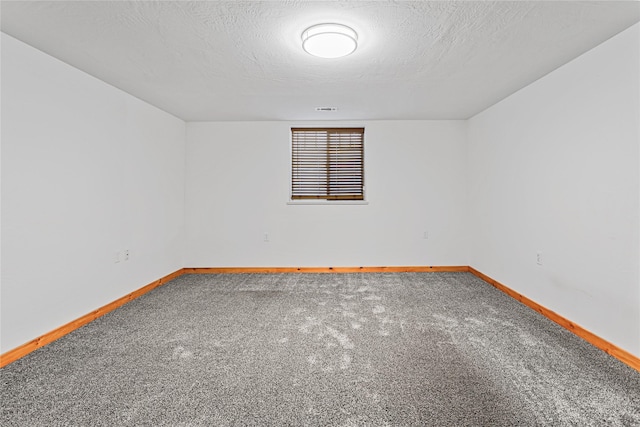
x: 21, y: 351
x: 268, y: 270
x: 609, y: 348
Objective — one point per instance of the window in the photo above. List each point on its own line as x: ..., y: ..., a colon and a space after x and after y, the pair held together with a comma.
x: 327, y: 163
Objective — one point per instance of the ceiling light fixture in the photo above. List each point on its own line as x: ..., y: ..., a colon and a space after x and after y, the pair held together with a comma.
x: 329, y: 40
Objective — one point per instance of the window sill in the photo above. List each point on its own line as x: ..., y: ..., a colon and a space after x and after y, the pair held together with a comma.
x: 327, y: 202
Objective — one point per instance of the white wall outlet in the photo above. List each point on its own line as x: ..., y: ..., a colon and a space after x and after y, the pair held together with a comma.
x: 539, y: 258
x: 425, y: 235
x: 125, y: 254
x: 266, y: 237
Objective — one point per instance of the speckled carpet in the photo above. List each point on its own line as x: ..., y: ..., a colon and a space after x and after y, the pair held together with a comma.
x: 428, y: 349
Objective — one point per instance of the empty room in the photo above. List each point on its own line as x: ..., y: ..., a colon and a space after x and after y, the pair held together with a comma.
x: 344, y: 213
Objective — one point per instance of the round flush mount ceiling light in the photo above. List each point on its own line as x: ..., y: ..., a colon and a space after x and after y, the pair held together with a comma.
x: 329, y: 40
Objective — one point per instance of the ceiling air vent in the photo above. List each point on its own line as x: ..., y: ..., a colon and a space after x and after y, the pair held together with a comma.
x: 326, y: 109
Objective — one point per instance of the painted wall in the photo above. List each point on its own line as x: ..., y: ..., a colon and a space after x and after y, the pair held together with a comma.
x: 87, y: 171
x: 555, y: 168
x: 237, y: 189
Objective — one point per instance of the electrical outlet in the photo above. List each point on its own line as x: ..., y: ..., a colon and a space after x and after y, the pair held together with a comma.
x: 266, y: 237
x: 539, y: 258
x: 425, y: 235
x: 126, y: 254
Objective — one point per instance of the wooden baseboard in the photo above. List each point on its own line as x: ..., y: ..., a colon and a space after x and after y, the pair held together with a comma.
x: 267, y: 270
x: 609, y: 348
x: 21, y: 351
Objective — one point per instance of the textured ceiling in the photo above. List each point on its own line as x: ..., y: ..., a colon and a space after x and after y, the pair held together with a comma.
x: 243, y: 60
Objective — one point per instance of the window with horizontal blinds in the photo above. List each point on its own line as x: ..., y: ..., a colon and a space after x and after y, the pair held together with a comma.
x: 327, y: 163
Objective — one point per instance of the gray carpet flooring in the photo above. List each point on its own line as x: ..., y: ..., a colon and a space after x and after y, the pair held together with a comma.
x: 428, y: 349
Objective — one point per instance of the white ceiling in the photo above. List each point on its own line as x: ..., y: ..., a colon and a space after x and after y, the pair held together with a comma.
x: 243, y: 60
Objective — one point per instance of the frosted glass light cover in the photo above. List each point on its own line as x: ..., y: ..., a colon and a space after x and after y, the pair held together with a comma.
x: 329, y: 40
